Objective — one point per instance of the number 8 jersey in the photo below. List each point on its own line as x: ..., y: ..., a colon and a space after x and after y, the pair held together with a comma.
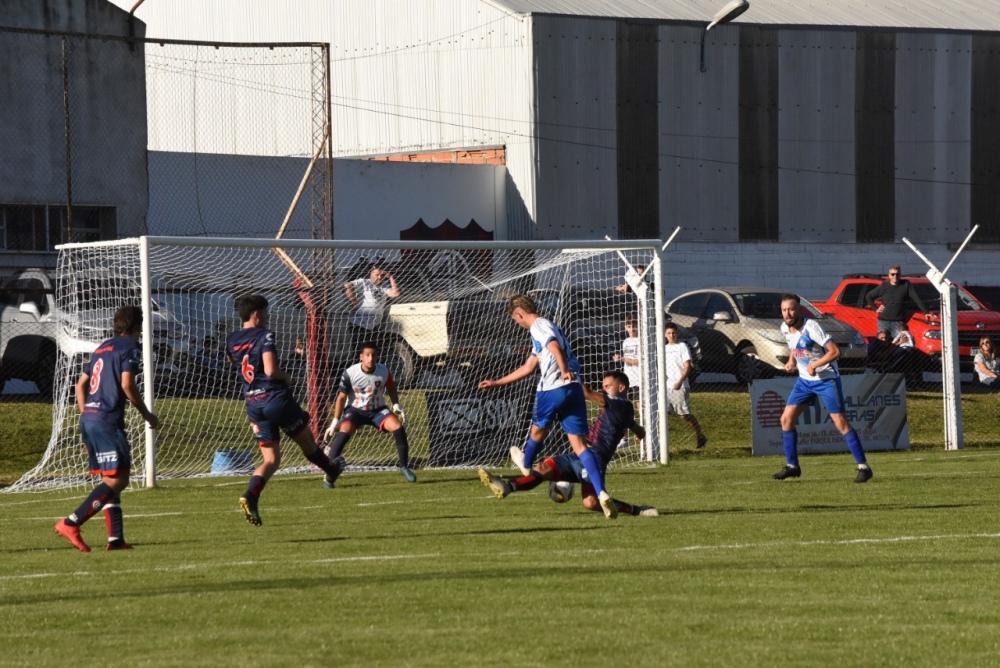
x: 246, y: 347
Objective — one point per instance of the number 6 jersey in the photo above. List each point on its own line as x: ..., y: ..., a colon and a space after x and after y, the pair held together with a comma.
x: 246, y: 347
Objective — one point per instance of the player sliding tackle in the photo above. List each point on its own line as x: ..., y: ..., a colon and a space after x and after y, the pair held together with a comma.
x: 559, y: 396
x: 617, y: 416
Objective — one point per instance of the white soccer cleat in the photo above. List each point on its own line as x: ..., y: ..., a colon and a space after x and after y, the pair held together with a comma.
x: 517, y: 456
x: 648, y: 511
x: 608, y: 505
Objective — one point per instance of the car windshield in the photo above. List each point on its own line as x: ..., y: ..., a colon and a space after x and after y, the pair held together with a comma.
x: 932, y: 298
x: 767, y: 305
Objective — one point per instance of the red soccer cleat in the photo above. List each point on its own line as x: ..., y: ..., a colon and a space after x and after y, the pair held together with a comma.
x: 72, y: 534
x: 117, y: 545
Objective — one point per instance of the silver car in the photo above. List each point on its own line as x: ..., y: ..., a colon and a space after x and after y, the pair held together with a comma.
x: 739, y: 331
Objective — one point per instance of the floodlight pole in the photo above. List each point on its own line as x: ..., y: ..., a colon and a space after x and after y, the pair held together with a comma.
x: 954, y: 437
x: 729, y: 12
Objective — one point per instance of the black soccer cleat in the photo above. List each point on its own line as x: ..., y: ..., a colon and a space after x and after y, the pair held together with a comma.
x: 249, y: 507
x: 864, y: 475
x: 788, y: 472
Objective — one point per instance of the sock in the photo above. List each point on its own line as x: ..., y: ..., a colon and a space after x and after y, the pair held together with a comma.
x: 626, y: 508
x: 529, y: 452
x: 319, y: 459
x: 525, y: 482
x: 339, y: 441
x: 589, y: 462
x: 402, y: 446
x: 94, y: 502
x: 113, y: 519
x: 790, y: 442
x: 854, y: 443
x: 255, y: 487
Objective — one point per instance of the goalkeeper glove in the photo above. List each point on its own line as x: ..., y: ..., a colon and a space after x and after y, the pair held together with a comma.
x: 332, y: 430
x: 397, y: 410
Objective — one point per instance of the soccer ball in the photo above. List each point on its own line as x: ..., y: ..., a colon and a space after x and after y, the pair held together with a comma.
x: 561, y: 491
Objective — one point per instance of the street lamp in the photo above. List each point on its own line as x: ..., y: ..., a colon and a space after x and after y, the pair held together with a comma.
x: 732, y: 9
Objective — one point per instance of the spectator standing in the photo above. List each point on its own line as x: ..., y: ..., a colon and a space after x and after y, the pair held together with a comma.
x: 368, y: 297
x: 678, y: 362
x: 987, y: 364
x: 629, y: 356
x: 896, y: 295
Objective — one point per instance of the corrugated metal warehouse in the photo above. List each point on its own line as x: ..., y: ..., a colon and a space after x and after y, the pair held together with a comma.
x: 845, y: 123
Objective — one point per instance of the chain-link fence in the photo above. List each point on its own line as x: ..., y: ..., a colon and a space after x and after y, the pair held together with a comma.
x: 106, y: 137
x: 735, y: 339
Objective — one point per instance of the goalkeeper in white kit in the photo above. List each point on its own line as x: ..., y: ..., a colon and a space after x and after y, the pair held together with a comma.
x: 361, y: 400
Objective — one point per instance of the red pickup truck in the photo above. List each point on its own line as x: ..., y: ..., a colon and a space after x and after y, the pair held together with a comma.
x: 847, y: 303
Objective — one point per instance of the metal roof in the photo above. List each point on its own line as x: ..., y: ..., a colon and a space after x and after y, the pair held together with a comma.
x: 925, y: 14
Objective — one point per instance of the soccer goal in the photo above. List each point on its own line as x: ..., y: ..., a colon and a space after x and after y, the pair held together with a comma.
x: 446, y: 330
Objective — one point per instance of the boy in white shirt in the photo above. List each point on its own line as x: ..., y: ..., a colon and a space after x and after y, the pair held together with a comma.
x: 678, y: 362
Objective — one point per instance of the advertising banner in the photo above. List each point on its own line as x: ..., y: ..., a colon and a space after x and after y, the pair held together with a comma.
x: 468, y: 426
x: 875, y: 405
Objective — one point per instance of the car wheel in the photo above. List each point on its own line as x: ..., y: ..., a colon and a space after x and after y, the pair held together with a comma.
x: 748, y: 365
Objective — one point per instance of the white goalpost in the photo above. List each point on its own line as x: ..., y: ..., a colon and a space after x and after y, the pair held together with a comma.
x: 446, y: 331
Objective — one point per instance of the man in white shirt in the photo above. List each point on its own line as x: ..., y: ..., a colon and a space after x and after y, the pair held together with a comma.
x: 678, y: 363
x: 368, y: 297
x: 559, y: 395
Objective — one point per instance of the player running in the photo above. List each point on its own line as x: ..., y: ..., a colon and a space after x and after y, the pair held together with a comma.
x: 101, y: 392
x: 364, y: 386
x: 617, y: 415
x: 270, y: 404
x: 559, y: 396
x: 815, y: 354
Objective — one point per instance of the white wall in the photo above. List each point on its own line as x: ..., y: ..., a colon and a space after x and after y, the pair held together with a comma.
x: 232, y: 195
x: 375, y: 200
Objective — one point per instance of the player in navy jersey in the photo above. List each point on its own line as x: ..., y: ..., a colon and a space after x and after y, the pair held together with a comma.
x: 559, y: 395
x: 270, y: 404
x: 362, y: 391
x: 616, y: 417
x: 101, y: 393
x: 814, y: 354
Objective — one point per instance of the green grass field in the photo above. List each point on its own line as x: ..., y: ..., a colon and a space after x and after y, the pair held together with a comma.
x: 739, y: 570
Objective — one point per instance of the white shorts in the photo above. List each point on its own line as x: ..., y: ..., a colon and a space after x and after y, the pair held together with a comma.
x: 677, y: 401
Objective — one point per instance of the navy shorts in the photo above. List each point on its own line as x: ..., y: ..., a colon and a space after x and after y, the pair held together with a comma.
x: 570, y: 469
x: 358, y: 417
x: 567, y: 404
x: 108, y: 449
x: 808, y: 391
x: 266, y: 419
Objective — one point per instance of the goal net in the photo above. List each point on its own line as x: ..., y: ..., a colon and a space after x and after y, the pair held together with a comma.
x: 446, y: 330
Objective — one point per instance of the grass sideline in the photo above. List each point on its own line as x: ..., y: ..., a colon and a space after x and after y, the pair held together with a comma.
x: 740, y: 569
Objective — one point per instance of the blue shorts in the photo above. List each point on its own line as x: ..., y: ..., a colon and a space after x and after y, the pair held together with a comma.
x: 566, y: 403
x: 358, y: 417
x: 267, y: 418
x: 807, y: 391
x: 108, y: 449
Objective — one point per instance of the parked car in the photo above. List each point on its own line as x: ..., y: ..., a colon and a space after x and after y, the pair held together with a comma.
x: 739, y: 331
x: 975, y: 319
x: 33, y: 331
